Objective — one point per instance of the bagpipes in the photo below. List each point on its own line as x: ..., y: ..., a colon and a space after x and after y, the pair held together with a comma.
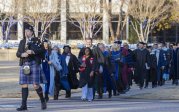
x: 34, y: 44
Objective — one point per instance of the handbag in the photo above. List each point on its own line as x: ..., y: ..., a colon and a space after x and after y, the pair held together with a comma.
x: 100, y: 69
x: 166, y: 76
x: 26, y: 69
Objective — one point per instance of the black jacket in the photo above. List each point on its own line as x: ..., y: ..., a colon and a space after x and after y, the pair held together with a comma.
x: 34, y: 45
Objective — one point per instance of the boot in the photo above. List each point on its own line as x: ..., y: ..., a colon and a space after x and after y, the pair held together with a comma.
x: 100, y: 92
x: 114, y: 93
x: 173, y: 82
x: 42, y: 99
x: 146, y: 86
x: 56, y: 93
x: 68, y: 94
x: 163, y: 82
x: 100, y: 96
x: 56, y: 96
x: 176, y: 82
x: 23, y: 106
x: 110, y: 94
x: 46, y: 97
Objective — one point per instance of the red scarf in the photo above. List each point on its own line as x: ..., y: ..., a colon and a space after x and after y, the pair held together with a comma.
x: 84, y: 61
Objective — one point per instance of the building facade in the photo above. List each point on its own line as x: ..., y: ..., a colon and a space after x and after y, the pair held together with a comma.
x: 61, y: 29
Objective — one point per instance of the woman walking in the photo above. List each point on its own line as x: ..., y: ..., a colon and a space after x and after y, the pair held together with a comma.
x: 87, y: 75
x: 46, y: 67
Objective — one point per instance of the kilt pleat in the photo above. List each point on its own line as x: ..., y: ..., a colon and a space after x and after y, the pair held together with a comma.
x: 36, y: 76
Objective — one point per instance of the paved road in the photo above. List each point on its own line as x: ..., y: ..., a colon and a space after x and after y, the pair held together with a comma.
x: 9, y: 88
x: 105, y: 105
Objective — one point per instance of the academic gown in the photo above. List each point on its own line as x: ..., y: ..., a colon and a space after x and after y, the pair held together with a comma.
x: 176, y: 63
x: 153, y: 67
x: 73, y: 69
x: 141, y: 58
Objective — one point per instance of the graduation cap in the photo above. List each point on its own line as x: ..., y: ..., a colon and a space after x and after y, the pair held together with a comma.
x: 117, y: 42
x: 28, y: 27
x: 66, y: 46
x: 174, y: 44
x: 142, y: 43
x: 45, y: 38
x: 149, y: 47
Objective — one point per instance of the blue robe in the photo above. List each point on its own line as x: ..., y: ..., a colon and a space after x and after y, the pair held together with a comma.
x: 107, y: 71
x: 162, y: 61
x: 115, y: 55
x: 64, y: 73
x: 46, y: 71
x: 54, y: 67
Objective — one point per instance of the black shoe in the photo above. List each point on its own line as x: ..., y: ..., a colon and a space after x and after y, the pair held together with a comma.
x: 100, y: 97
x: 46, y: 99
x: 110, y: 95
x: 176, y: 82
x: 173, y: 82
x: 126, y: 90
x: 117, y: 93
x: 22, y: 108
x: 140, y: 88
x: 55, y: 97
x: 44, y: 105
x: 68, y: 94
x: 114, y: 93
x: 123, y: 92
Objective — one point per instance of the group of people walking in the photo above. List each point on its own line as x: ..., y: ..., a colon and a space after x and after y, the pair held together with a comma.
x: 111, y: 69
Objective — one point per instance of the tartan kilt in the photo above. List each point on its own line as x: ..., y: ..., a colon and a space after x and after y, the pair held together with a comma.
x: 36, y: 77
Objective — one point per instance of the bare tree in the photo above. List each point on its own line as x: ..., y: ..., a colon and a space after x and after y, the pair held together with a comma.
x: 146, y: 14
x: 44, y: 11
x: 122, y: 14
x: 88, y: 18
x: 8, y: 18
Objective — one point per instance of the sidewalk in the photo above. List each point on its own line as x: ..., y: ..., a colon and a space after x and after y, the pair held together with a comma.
x: 9, y: 87
x: 166, y: 92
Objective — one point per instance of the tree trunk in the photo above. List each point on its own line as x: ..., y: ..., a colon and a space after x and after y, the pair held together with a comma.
x: 36, y: 28
x: 110, y: 22
x: 7, y: 33
x: 141, y: 33
x: 111, y: 31
x: 118, y: 32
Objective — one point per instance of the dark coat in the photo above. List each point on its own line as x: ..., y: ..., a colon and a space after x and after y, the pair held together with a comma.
x: 141, y: 57
x: 175, y: 63
x: 108, y: 69
x: 85, y: 75
x: 162, y: 62
x: 73, y: 69
x: 153, y: 67
x: 45, y: 66
x: 162, y: 59
x: 34, y: 60
x: 34, y: 45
